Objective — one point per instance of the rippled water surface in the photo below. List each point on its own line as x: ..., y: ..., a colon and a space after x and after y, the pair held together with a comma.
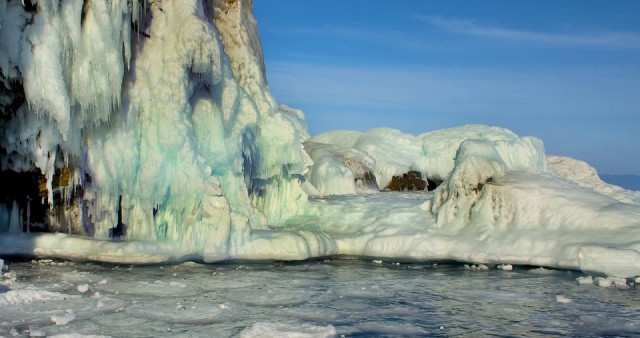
x: 353, y: 297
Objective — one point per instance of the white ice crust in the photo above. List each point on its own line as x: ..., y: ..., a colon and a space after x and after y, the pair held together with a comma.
x: 171, y: 114
x: 290, y: 331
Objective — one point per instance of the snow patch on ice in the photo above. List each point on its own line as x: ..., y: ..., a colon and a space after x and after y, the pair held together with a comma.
x: 562, y: 299
x: 64, y: 319
x: 288, y: 330
x: 26, y: 296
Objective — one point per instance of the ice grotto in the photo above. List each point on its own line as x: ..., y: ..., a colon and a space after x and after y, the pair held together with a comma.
x: 145, y: 131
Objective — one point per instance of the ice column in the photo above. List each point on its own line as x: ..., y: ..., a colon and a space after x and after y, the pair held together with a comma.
x: 202, y: 153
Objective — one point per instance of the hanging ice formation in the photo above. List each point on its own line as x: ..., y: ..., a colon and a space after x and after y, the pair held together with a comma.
x: 160, y: 104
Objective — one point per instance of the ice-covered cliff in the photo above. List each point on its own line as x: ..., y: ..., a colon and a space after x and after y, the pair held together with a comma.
x: 149, y: 126
x: 160, y: 113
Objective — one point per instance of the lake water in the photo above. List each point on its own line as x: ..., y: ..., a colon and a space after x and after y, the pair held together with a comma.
x: 353, y: 298
x: 629, y: 182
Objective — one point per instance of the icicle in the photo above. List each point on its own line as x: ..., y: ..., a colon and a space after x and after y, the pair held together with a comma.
x: 28, y: 213
x: 49, y: 175
x: 15, y: 223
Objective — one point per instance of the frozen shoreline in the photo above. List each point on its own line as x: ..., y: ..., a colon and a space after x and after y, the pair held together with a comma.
x: 369, y: 226
x: 176, y: 144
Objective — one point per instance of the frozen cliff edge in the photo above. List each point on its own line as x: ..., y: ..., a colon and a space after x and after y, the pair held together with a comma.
x: 154, y: 137
x: 134, y: 126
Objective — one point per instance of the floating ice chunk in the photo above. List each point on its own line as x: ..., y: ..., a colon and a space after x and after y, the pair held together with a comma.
x: 586, y: 280
x: 603, y: 282
x: 391, y: 328
x: 474, y: 267
x: 377, y: 261
x: 268, y: 330
x: 562, y: 299
x: 37, y: 333
x: 82, y: 288
x: 610, y: 282
x: 64, y: 319
x: 542, y: 271
x: 27, y: 296
x: 505, y: 267
x: 620, y: 283
x: 76, y: 335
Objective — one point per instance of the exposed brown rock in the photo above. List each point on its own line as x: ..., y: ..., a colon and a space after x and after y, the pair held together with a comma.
x: 62, y: 177
x: 410, y: 181
x: 367, y: 181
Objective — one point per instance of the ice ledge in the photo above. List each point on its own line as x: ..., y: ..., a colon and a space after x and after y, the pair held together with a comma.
x: 301, y: 245
x: 76, y: 248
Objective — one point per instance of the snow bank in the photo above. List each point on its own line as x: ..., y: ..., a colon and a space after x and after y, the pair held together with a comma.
x: 75, y: 248
x: 64, y: 319
x: 341, y: 157
x: 586, y: 176
x: 478, y: 163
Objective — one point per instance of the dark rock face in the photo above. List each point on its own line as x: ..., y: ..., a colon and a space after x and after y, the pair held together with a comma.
x: 410, y: 181
x: 433, y: 183
x: 11, y: 98
x: 367, y: 181
x: 28, y: 191
x: 23, y: 189
x: 119, y: 231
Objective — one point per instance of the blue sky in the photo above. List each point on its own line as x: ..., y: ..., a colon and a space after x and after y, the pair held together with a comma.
x: 567, y: 72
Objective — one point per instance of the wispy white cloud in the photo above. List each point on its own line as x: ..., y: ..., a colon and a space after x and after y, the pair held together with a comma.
x: 386, y: 36
x: 616, y: 39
